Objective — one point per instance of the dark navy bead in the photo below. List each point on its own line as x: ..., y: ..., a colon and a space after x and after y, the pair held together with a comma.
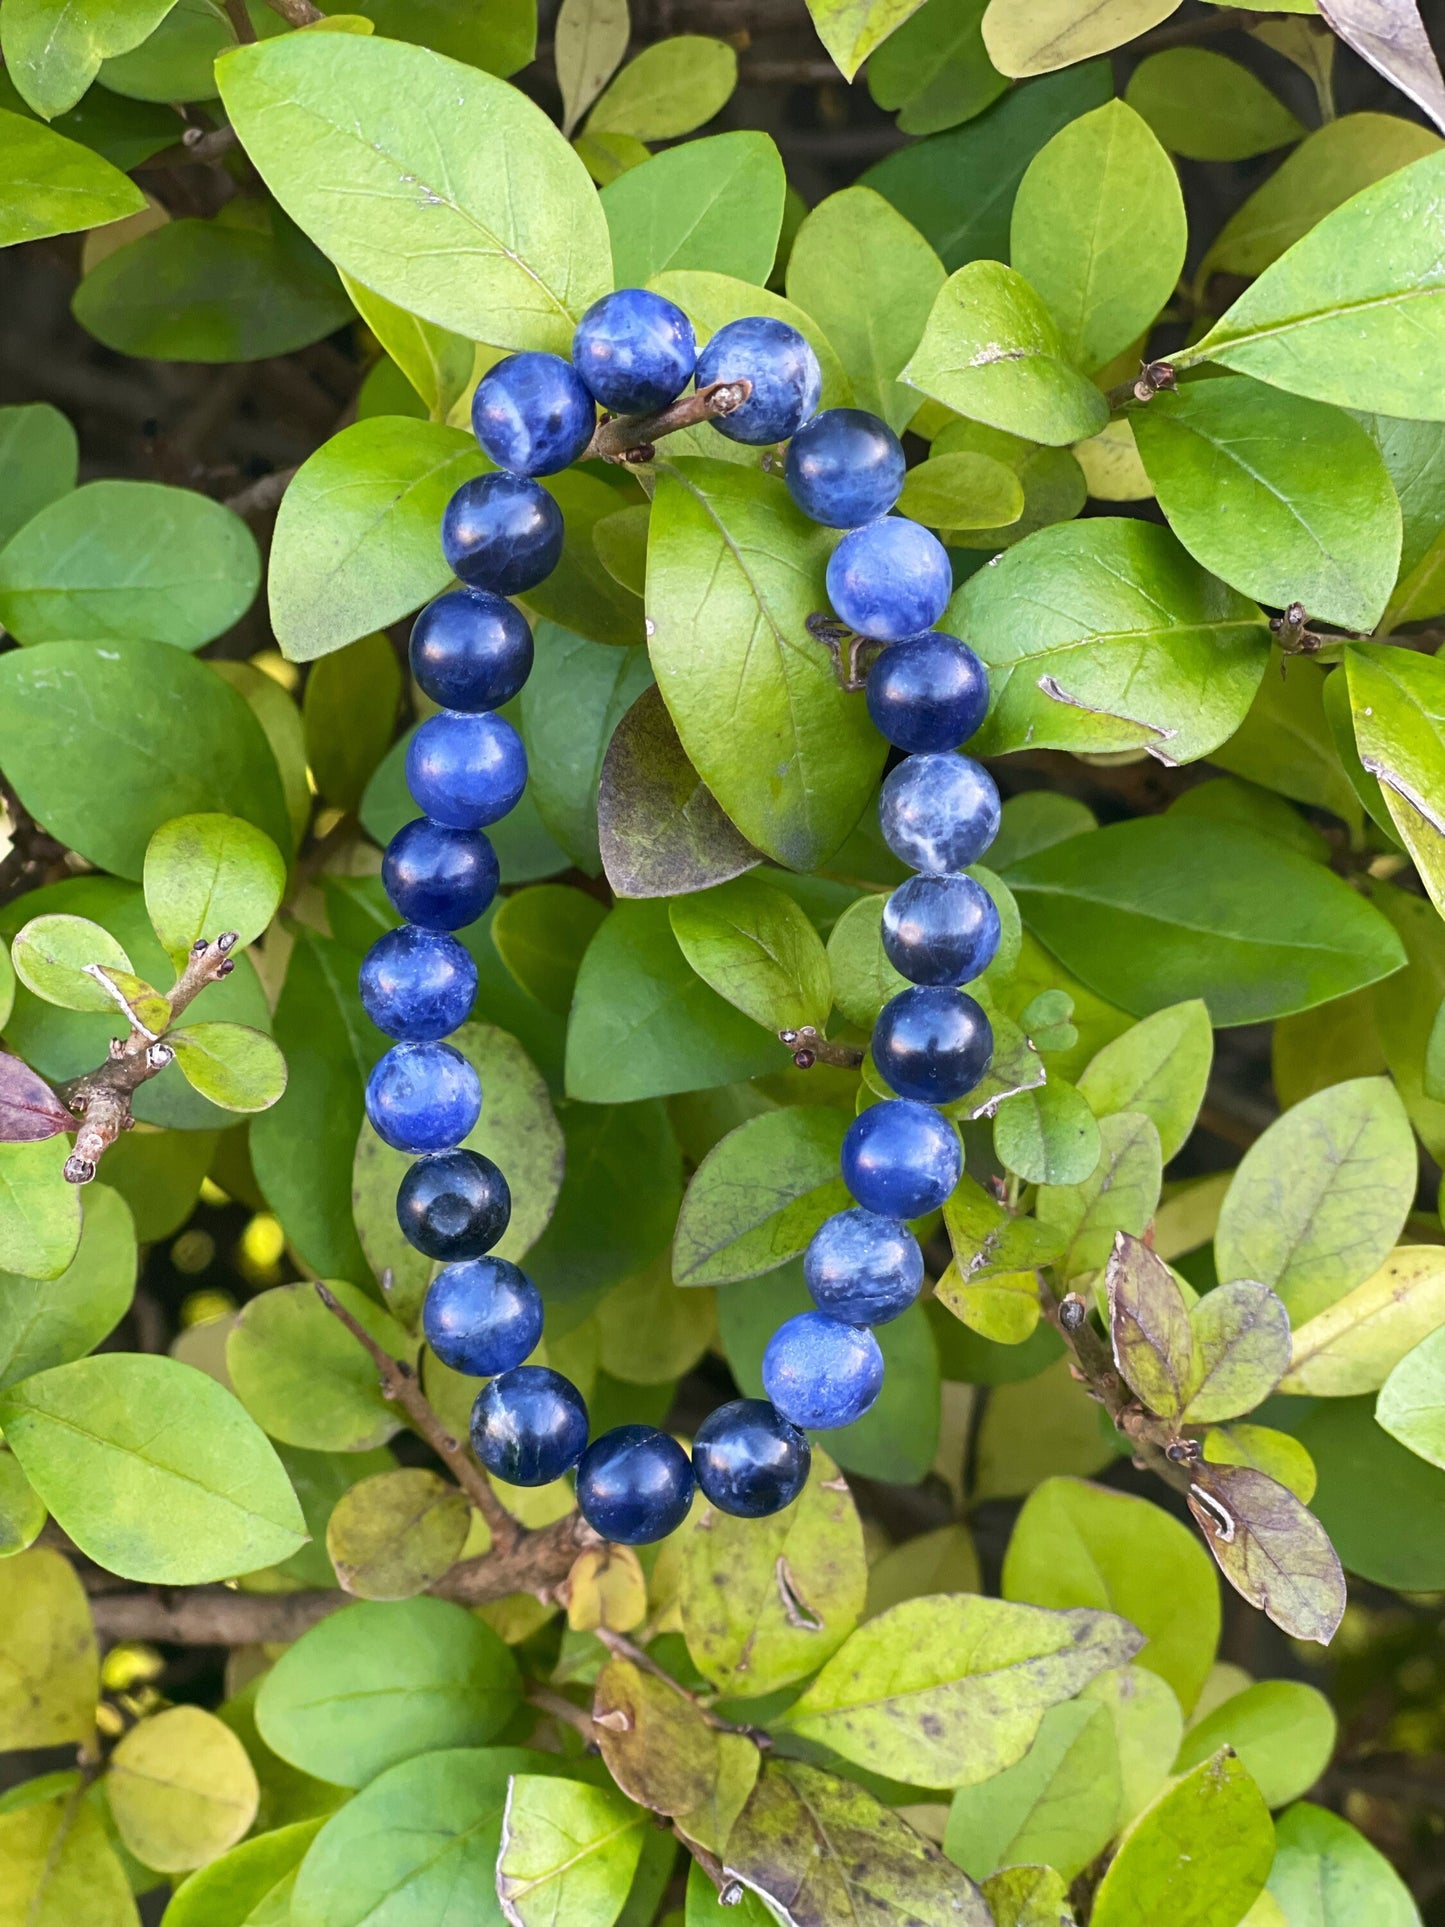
x: 938, y: 813
x: 930, y: 692
x: 901, y: 1159
x: 423, y: 1097
x: 940, y: 929
x: 529, y: 1426
x: 532, y: 414
x: 466, y: 771
x: 482, y: 1317
x: 635, y: 350
x: 845, y: 467
x: 471, y: 649
x: 820, y: 1372
x: 437, y: 877
x: 634, y: 1485
x: 890, y: 580
x: 862, y: 1268
x: 783, y: 369
x: 455, y: 1205
x: 417, y: 985
x: 933, y: 1043
x: 749, y: 1460
x: 503, y: 533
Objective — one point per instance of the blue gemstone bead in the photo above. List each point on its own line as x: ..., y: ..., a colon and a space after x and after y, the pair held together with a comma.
x: 471, y: 649
x: 748, y: 1460
x: 938, y: 813
x: 417, y: 985
x: 503, y: 533
x: 634, y: 1485
x: 901, y: 1159
x: 890, y: 580
x: 820, y: 1372
x: 466, y: 771
x: 529, y: 1425
x: 928, y: 693
x: 423, y: 1097
x: 779, y: 362
x: 845, y: 467
x: 482, y: 1317
x: 532, y: 414
x: 438, y: 877
x: 932, y: 1043
x: 635, y: 350
x: 940, y: 929
x: 862, y: 1268
x: 454, y: 1205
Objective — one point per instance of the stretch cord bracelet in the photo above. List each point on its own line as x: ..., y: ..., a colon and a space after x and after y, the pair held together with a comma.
x: 471, y: 651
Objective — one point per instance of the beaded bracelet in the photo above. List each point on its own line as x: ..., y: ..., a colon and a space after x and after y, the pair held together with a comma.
x: 889, y: 581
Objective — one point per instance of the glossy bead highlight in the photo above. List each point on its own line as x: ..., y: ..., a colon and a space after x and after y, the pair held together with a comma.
x: 901, y: 1159
x: 749, y: 1460
x: 927, y: 693
x: 821, y: 1373
x: 863, y: 1269
x: 940, y: 929
x: 417, y: 985
x: 503, y: 533
x: 439, y: 878
x: 635, y: 350
x: 423, y: 1097
x: 471, y: 650
x: 845, y: 467
x: 482, y: 1317
x: 780, y: 364
x: 932, y: 1043
x: 938, y: 813
x: 890, y: 579
x: 634, y: 1485
x: 529, y: 1425
x: 532, y: 414
x: 466, y: 771
x: 454, y: 1205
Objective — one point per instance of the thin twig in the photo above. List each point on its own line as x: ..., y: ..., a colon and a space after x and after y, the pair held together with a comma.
x: 300, y: 13
x: 1094, y: 1364
x: 240, y: 21
x: 561, y: 1708
x: 621, y: 1647
x: 196, y: 148
x: 261, y: 495
x: 630, y: 438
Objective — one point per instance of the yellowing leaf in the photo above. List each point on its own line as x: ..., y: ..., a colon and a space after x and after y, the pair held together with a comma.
x: 1354, y: 1344
x: 1037, y: 36
x: 182, y: 1789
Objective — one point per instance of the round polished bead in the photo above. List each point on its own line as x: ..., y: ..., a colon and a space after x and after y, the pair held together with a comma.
x: 890, y: 579
x: 901, y: 1159
x: 862, y: 1268
x: 529, y: 1425
x: 454, y: 1205
x: 845, y: 467
x: 439, y: 878
x: 634, y: 1485
x: 471, y: 649
x: 749, y: 1460
x: 482, y: 1317
x: 821, y: 1373
x: 417, y: 985
x: 532, y: 414
x: 503, y: 533
x: 928, y: 693
x: 423, y: 1097
x: 940, y: 929
x: 780, y: 364
x: 466, y: 771
x: 938, y: 813
x: 635, y: 350
x: 932, y: 1043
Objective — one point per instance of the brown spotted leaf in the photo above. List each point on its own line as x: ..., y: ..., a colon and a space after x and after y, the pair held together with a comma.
x: 1241, y: 1351
x: 29, y: 1109
x: 1270, y: 1549
x: 663, y: 1753
x: 1028, y: 1897
x: 1149, y: 1327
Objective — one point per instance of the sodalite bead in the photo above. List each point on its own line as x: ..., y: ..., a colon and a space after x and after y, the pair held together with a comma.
x: 635, y: 350
x: 417, y: 985
x: 749, y: 1460
x: 634, y: 1485
x: 862, y: 1268
x: 779, y: 362
x: 932, y: 1043
x: 940, y: 929
x: 503, y: 533
x: 438, y: 877
x: 890, y: 579
x: 453, y: 1205
x: 938, y: 813
x: 529, y: 1426
x: 901, y: 1159
x: 928, y: 693
x: 532, y: 414
x: 482, y: 1317
x: 423, y: 1097
x: 471, y: 649
x: 821, y: 1373
x: 845, y: 467
x: 466, y: 771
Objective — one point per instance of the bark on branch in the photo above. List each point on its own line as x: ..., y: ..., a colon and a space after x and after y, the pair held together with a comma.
x: 630, y: 438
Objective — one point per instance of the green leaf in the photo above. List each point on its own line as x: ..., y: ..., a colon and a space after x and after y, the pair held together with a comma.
x: 590, y: 43
x: 301, y: 1374
x: 1148, y: 1726
x: 500, y: 38
x: 1081, y: 1545
x: 906, y: 1694
x: 57, y: 1863
x: 349, y: 711
x: 53, y: 956
x: 437, y: 363
x: 53, y: 51
x: 936, y: 68
x: 22, y: 1512
x: 1120, y: 1194
x: 1414, y: 455
x: 1058, y: 1805
x: 55, y: 185
x: 39, y: 457
x: 1271, y: 1550
x: 51, y: 1679
x: 1283, y: 1732
x: 1354, y: 313
x: 1319, y: 1200
x: 1160, y: 1067
x: 1233, y: 800
x: 962, y: 491
x: 248, y: 1887
x: 575, y: 697
x: 53, y: 1322
x: 1037, y: 36
x: 581, y: 594
x: 671, y: 87
x: 376, y: 1684
x: 1286, y: 744
x: 1405, y: 1017
x: 1047, y: 1135
x: 759, y: 1195
x: 991, y: 351
x: 1397, y: 699
x: 355, y: 547
x: 397, y: 1533
x: 649, y: 1332
x: 715, y: 204
x: 280, y: 722
x: 542, y: 935
x: 181, y: 1789
x: 1028, y: 1897
x: 1199, y: 1856
x: 177, y: 61
x: 569, y: 1851
x: 203, y: 1497
x: 940, y: 1561
x: 756, y: 948
x: 1326, y: 1873
x: 1354, y: 1344
x: 238, y: 1068
x: 39, y: 1211
x: 1276, y: 1454
x: 1207, y: 107
x: 853, y: 29
x: 472, y: 212
x: 208, y: 874
x: 1162, y: 909
x: 1141, y: 650
x: 1411, y: 1405
x: 1383, y: 1507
